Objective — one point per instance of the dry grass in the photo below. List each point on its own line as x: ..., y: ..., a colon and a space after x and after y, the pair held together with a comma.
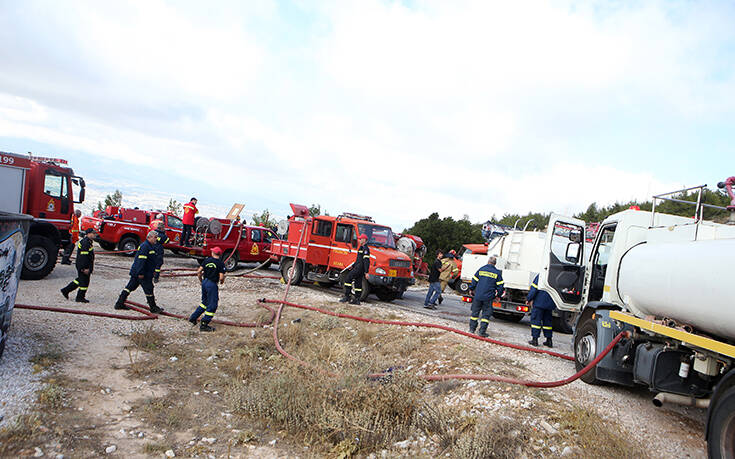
x: 169, y: 412
x: 46, y: 359
x: 148, y: 340
x: 596, y: 437
x: 22, y: 433
x: 52, y: 395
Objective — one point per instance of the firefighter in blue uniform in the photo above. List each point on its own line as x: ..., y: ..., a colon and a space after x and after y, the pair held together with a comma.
x: 209, y: 273
x: 353, y: 280
x: 85, y: 266
x: 487, y: 283
x: 141, y: 273
x: 541, y: 314
x: 161, y: 239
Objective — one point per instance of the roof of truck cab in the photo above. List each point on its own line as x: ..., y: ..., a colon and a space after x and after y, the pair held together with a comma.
x: 476, y: 248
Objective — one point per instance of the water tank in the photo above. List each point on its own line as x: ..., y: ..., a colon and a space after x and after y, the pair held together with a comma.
x: 690, y: 282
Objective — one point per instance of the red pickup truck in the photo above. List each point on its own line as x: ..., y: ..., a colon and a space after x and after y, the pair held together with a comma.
x: 124, y: 229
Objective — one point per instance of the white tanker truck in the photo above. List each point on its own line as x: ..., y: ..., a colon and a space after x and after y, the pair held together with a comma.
x: 668, y: 280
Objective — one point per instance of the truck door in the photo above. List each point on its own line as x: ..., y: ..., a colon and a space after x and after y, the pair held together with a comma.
x: 174, y: 226
x: 54, y: 203
x: 320, y: 242
x: 562, y: 273
x: 339, y: 255
x: 258, y: 250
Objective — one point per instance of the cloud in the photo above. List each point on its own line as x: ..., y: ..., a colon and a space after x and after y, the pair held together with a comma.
x: 393, y: 109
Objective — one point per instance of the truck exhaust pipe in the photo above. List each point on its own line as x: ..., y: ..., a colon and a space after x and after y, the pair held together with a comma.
x: 664, y: 397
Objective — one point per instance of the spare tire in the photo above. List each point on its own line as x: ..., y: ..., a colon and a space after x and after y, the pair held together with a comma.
x: 215, y: 227
x: 201, y: 224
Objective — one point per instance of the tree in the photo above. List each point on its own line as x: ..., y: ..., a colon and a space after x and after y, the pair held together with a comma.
x: 264, y: 219
x: 174, y: 206
x: 315, y: 209
x: 445, y: 233
x: 114, y: 199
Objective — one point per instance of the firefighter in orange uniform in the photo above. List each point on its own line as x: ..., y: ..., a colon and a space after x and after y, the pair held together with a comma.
x: 190, y: 210
x: 74, y: 233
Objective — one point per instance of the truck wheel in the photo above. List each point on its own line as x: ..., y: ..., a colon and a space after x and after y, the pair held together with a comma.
x: 286, y: 268
x: 128, y: 243
x: 564, y: 323
x: 585, y: 348
x: 463, y: 287
x: 386, y: 294
x: 110, y: 246
x: 40, y: 258
x: 231, y: 261
x: 365, y: 289
x: 721, y: 428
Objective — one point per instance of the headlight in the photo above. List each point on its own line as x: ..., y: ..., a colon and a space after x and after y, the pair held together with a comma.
x: 380, y: 271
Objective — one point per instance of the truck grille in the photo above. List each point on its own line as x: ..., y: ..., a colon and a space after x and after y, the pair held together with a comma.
x: 400, y: 264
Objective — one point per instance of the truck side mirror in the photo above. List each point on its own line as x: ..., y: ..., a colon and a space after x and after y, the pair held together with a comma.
x: 575, y: 236
x: 572, y: 253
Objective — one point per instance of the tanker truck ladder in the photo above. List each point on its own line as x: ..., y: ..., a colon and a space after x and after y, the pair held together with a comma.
x: 690, y: 339
x: 514, y: 252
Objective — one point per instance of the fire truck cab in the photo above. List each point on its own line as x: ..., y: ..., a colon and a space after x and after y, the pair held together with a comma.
x: 47, y: 190
x: 329, y: 248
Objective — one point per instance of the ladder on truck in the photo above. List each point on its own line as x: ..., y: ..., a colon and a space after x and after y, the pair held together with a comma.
x: 514, y: 251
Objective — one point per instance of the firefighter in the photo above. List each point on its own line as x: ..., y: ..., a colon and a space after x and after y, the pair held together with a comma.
x: 448, y: 269
x: 74, y: 233
x: 487, y: 284
x: 85, y: 266
x: 209, y: 273
x: 161, y: 239
x: 190, y: 210
x: 353, y: 280
x: 141, y: 273
x: 541, y: 314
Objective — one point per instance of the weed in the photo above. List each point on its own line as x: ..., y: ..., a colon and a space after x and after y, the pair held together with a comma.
x: 46, y: 360
x: 164, y: 411
x: 51, y: 396
x: 595, y: 436
x: 155, y: 448
x: 148, y: 340
x: 442, y: 387
x: 367, y: 335
x: 491, y: 438
x: 19, y: 434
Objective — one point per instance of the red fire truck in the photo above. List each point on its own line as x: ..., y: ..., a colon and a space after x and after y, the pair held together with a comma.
x: 45, y: 189
x: 122, y: 228
x: 329, y: 247
x: 253, y: 246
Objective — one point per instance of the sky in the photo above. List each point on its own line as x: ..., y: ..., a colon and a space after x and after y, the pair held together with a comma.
x: 394, y: 109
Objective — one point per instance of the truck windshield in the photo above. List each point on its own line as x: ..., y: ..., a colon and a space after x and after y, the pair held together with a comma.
x: 380, y: 236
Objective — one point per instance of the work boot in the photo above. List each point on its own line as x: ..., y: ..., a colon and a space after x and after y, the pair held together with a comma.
x: 152, y: 305
x: 483, y: 330
x: 66, y: 290
x: 120, y: 303
x: 473, y: 326
x: 346, y: 294
x: 548, y: 343
x: 533, y: 342
x: 80, y: 296
x: 441, y: 298
x: 355, y: 300
x: 192, y: 321
x: 205, y: 327
x: 65, y: 261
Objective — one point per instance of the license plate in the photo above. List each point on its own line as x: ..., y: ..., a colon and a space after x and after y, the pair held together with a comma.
x: 392, y: 273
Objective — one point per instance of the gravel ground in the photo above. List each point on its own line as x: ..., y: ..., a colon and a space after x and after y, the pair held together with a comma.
x: 90, y: 343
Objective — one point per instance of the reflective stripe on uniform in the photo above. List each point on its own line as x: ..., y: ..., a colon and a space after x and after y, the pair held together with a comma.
x: 500, y: 283
x: 536, y: 326
x: 151, y: 251
x: 534, y: 285
x: 149, y: 296
x: 547, y: 328
x: 83, y: 288
x: 207, y: 313
x: 84, y: 253
x: 76, y: 281
x: 143, y: 256
x: 475, y: 278
x: 348, y: 284
x: 366, y: 256
x: 358, y: 290
x: 488, y: 274
x: 126, y: 290
x: 158, y: 270
x: 474, y: 318
x: 485, y: 320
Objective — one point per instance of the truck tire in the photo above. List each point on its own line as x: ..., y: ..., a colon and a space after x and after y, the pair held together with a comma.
x: 721, y: 428
x: 128, y: 243
x: 385, y: 294
x: 297, y: 271
x: 365, y: 289
x: 230, y: 261
x: 109, y: 246
x: 564, y: 323
x: 40, y: 258
x: 463, y: 287
x: 585, y: 347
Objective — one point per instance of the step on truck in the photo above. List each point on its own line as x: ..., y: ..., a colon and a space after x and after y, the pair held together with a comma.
x: 47, y: 190
x: 668, y: 281
x: 329, y: 248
